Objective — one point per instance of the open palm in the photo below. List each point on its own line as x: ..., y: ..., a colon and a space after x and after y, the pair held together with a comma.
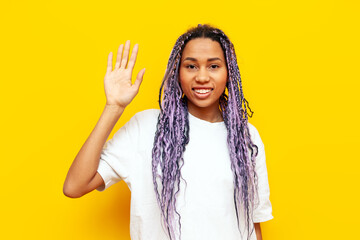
x: 119, y: 89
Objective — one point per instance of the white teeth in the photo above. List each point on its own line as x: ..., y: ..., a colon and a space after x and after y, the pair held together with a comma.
x: 202, y: 90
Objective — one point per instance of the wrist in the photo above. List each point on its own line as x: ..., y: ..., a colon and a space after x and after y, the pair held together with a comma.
x: 114, y: 108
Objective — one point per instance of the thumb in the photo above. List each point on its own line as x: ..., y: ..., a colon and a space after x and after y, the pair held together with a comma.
x: 139, y: 78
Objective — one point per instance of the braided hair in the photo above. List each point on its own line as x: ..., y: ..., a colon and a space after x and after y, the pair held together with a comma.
x: 172, y: 135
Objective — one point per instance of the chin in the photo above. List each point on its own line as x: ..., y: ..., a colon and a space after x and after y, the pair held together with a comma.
x: 202, y: 104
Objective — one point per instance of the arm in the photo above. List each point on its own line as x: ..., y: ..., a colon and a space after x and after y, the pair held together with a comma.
x: 258, y: 231
x: 82, y: 176
x: 263, y: 212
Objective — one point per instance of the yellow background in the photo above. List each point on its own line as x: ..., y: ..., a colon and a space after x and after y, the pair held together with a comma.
x: 299, y: 62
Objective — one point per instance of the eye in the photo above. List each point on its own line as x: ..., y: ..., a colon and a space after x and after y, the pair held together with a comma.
x: 214, y: 66
x: 190, y: 66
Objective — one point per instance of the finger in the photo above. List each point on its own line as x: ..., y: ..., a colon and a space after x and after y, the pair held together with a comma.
x: 133, y: 57
x: 109, y: 63
x: 119, y: 54
x: 125, y: 55
x: 139, y: 78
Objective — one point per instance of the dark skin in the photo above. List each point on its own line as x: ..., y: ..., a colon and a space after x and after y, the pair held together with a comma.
x: 203, y: 68
x: 203, y: 65
x: 258, y: 231
x: 82, y: 177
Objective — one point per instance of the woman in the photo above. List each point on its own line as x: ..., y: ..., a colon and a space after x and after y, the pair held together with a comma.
x: 196, y: 168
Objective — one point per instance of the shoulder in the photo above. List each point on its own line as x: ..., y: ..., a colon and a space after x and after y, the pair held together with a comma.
x: 144, y: 120
x: 148, y: 114
x: 260, y: 157
x: 254, y: 134
x: 141, y: 124
x: 252, y: 129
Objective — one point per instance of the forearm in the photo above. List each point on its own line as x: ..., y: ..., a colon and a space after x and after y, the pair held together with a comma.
x: 258, y: 231
x: 86, y: 162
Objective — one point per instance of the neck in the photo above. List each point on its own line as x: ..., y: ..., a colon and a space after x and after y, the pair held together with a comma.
x: 212, y: 114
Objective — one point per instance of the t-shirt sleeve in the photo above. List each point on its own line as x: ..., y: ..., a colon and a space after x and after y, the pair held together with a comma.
x: 117, y: 156
x: 263, y: 212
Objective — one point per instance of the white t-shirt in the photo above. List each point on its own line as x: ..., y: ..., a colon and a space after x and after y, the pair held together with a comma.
x: 206, y: 205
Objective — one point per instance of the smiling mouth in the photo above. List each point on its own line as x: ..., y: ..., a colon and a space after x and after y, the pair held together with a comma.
x: 202, y: 90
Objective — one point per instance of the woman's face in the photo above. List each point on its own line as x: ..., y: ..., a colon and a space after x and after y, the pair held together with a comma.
x: 203, y: 75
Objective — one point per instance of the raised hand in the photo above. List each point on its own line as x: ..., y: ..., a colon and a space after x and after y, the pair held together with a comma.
x: 119, y: 89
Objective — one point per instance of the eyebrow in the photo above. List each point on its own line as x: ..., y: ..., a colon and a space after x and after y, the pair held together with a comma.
x: 209, y: 59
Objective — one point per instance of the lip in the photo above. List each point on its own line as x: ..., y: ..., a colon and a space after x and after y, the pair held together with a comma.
x: 202, y: 95
x: 202, y: 87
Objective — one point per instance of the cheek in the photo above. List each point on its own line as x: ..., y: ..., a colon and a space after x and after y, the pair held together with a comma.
x: 183, y: 79
x: 181, y: 82
x: 223, y: 80
x: 183, y: 86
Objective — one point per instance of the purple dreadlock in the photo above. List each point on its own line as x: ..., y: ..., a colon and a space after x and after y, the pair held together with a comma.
x: 172, y: 134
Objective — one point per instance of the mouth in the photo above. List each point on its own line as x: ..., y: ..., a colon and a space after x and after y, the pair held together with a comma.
x: 202, y: 90
x: 202, y: 93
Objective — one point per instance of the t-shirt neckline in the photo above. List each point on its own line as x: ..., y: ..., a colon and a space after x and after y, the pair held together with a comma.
x: 201, y: 122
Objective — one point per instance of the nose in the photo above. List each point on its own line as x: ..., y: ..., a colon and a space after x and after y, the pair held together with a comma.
x: 202, y: 76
